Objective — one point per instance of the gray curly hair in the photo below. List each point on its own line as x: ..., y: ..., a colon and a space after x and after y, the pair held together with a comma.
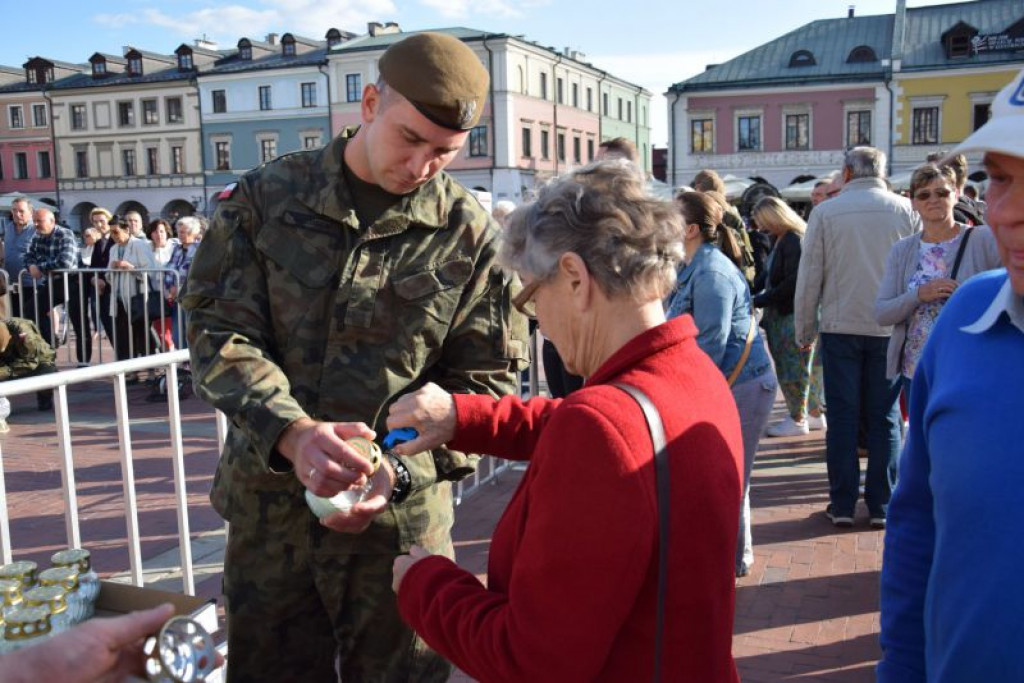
x: 630, y: 240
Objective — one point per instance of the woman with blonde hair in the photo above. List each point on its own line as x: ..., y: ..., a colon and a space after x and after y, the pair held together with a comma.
x: 798, y: 370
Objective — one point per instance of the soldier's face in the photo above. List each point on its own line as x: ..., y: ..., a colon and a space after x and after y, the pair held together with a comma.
x: 404, y: 148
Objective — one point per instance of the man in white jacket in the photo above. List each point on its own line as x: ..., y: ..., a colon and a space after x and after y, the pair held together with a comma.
x: 844, y: 251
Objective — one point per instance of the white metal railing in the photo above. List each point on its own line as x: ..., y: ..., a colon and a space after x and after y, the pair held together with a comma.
x: 488, y: 468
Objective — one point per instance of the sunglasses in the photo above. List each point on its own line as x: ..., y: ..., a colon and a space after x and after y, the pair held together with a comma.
x: 925, y: 195
x: 524, y: 302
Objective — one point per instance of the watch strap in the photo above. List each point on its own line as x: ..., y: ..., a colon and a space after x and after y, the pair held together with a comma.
x: 403, y: 479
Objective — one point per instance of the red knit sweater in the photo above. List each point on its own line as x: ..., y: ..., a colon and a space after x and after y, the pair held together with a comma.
x: 572, y: 573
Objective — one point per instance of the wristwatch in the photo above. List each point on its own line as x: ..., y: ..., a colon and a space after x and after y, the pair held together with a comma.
x: 403, y: 480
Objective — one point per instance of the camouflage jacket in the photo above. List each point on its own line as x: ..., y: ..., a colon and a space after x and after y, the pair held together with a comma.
x: 26, y: 351
x: 296, y: 309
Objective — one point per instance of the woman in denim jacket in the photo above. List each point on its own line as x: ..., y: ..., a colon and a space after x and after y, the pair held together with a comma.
x: 712, y: 289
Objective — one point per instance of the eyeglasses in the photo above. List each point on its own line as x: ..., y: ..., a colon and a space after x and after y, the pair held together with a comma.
x: 524, y: 302
x: 925, y: 195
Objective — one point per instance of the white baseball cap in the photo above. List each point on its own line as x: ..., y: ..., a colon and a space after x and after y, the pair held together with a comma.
x: 1004, y: 131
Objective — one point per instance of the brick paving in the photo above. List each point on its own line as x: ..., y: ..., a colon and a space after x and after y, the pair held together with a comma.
x: 807, y: 612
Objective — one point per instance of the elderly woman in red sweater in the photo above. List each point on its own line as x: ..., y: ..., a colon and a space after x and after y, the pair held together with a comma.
x: 572, y: 588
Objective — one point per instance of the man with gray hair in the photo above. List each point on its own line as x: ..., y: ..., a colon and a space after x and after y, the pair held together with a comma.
x: 844, y: 251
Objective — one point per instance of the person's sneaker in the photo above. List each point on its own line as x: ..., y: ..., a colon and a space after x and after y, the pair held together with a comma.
x: 817, y: 424
x: 4, y: 428
x: 877, y: 522
x: 788, y: 427
x: 838, y: 520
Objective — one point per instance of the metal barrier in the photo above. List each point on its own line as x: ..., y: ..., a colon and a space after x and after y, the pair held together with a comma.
x: 487, y: 470
x: 82, y: 298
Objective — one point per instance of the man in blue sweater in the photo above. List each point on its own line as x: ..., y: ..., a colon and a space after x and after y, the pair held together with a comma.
x: 950, y: 611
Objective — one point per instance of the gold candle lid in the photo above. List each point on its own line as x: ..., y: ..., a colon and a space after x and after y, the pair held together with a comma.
x: 79, y: 557
x: 47, y: 596
x: 63, y: 577
x: 24, y: 571
x: 27, y: 622
x: 10, y: 592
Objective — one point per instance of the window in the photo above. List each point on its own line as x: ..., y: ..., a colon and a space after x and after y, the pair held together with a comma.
x: 560, y: 146
x: 802, y: 58
x: 604, y: 104
x: 577, y: 150
x: 99, y: 67
x: 177, y: 159
x: 16, y: 115
x: 81, y: 164
x: 223, y: 153
x: 310, y: 141
x: 353, y: 87
x: 43, y: 164
x: 702, y: 136
x: 135, y: 66
x: 590, y: 150
x: 125, y: 114
x: 478, y: 142
x: 268, y: 149
x: 858, y: 128
x: 982, y: 113
x: 798, y: 131
x: 128, y: 161
x: 527, y: 142
x: 543, y: 86
x: 265, y: 103
x: 545, y: 144
x: 749, y: 137
x: 925, y: 126
x: 175, y: 114
x: 620, y: 109
x: 576, y: 95
x: 185, y: 61
x: 560, y: 90
x: 20, y: 165
x: 39, y: 118
x: 861, y: 54
x: 288, y: 48
x: 245, y: 52
x: 150, y: 113
x: 629, y: 112
x: 308, y: 95
x: 1, y: 168
x: 152, y: 161
x: 220, y: 101
x: 590, y: 99
x: 78, y: 119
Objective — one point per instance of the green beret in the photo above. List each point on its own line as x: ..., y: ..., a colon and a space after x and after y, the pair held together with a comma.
x: 440, y: 76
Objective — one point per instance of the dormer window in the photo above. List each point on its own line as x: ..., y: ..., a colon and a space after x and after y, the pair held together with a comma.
x: 333, y: 37
x: 38, y: 71
x: 802, y: 58
x: 957, y: 40
x: 288, y: 45
x: 134, y: 63
x: 99, y: 68
x: 245, y: 50
x: 185, y: 60
x: 861, y: 54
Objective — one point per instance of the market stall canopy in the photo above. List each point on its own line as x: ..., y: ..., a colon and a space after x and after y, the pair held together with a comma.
x: 801, y: 192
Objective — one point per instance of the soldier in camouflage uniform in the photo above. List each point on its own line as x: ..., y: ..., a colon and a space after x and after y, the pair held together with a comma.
x: 330, y: 283
x: 24, y: 353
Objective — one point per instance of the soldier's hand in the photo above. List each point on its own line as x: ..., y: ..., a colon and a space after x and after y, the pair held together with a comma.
x: 359, y: 516
x: 430, y: 411
x: 403, y: 563
x: 322, y: 461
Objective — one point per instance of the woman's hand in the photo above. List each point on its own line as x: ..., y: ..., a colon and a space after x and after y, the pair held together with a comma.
x: 123, y: 265
x: 431, y: 412
x: 403, y: 563
x: 936, y: 290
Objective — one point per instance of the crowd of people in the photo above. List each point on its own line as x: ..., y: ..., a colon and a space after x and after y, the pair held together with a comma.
x: 358, y: 289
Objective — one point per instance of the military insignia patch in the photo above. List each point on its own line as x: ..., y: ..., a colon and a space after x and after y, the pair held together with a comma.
x: 228, y: 190
x: 467, y: 108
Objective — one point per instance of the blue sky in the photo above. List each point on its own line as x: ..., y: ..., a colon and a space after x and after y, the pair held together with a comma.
x: 652, y: 43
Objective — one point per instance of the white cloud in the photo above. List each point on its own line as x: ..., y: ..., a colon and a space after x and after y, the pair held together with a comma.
x: 228, y: 23
x: 501, y: 9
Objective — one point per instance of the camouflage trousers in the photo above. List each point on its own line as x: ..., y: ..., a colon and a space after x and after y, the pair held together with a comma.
x: 300, y: 613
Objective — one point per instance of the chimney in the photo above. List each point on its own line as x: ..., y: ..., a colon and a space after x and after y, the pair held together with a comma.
x: 374, y: 27
x: 205, y: 43
x: 272, y: 38
x: 851, y: 11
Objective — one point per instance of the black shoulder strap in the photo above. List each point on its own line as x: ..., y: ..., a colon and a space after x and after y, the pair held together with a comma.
x: 657, y: 431
x: 960, y: 252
